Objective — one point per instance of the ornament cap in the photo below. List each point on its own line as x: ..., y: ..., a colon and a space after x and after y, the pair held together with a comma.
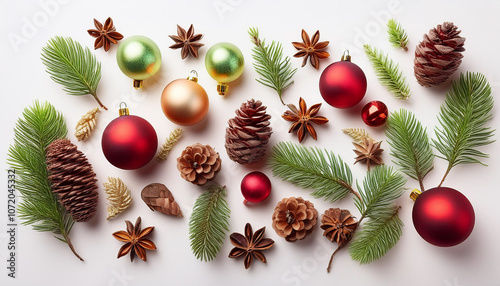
x: 414, y: 194
x: 137, y: 84
x: 346, y: 57
x: 123, y: 109
x: 222, y: 88
x: 193, y: 76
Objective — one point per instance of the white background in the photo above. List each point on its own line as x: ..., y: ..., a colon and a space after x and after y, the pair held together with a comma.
x: 44, y: 260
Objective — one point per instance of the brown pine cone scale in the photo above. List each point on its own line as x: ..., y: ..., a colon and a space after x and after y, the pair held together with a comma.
x: 73, y: 179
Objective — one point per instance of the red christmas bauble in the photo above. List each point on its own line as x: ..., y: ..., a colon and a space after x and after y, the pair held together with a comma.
x: 374, y: 113
x: 443, y: 216
x: 129, y: 142
x: 255, y: 187
x: 342, y: 84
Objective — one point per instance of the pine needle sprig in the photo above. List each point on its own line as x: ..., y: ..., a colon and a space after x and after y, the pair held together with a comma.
x: 463, y: 116
x: 358, y: 135
x: 397, y: 35
x: 72, y: 66
x: 312, y: 168
x: 169, y: 144
x: 39, y: 125
x: 410, y: 145
x: 381, y: 187
x: 388, y: 73
x: 376, y: 238
x: 276, y: 72
x: 209, y: 223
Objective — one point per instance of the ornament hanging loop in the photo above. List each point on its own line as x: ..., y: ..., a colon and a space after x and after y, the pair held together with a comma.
x: 123, y: 109
x: 346, y: 57
x: 193, y: 76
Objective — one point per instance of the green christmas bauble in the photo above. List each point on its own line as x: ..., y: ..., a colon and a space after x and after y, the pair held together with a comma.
x: 224, y: 63
x: 138, y: 58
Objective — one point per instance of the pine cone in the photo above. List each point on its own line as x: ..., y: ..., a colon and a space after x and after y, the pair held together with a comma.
x: 294, y: 218
x: 438, y: 56
x: 159, y: 198
x: 339, y: 225
x: 73, y: 179
x: 248, y: 133
x: 199, y: 163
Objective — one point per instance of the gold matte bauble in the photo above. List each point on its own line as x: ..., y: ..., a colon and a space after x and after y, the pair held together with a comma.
x: 184, y: 101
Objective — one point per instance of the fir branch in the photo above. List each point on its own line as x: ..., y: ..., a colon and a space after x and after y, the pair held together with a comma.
x: 169, y: 144
x: 312, y: 168
x: 72, y: 66
x: 388, y: 73
x: 410, y: 145
x: 118, y: 196
x: 381, y: 187
x: 357, y: 134
x: 376, y: 238
x: 209, y: 223
x: 275, y: 71
x: 397, y: 35
x: 39, y: 125
x: 463, y: 116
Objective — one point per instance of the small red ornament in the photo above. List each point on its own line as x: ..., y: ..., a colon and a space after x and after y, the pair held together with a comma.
x: 443, y: 216
x: 255, y: 187
x: 129, y: 142
x: 374, y: 113
x: 343, y: 84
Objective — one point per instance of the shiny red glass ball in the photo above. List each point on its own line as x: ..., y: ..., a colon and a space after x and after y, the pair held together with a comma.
x: 342, y: 84
x: 129, y: 142
x: 443, y: 216
x: 255, y: 187
x: 374, y: 113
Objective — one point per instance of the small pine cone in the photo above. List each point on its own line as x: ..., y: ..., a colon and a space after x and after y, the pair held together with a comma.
x: 248, y: 133
x: 294, y: 218
x: 199, y: 163
x: 439, y: 55
x: 73, y: 179
x: 159, y: 198
x: 339, y: 225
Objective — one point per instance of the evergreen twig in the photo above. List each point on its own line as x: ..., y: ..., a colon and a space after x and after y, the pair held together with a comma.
x: 388, y: 73
x: 275, y: 71
x: 72, y: 66
x: 39, y: 125
x: 311, y: 168
x: 209, y: 223
x: 463, y: 116
x: 358, y: 135
x: 397, y: 35
x: 410, y: 145
x: 169, y: 144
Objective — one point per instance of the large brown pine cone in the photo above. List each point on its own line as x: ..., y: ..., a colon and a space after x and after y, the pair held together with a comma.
x: 294, y: 218
x: 339, y: 225
x: 248, y: 133
x: 438, y: 56
x: 199, y: 163
x: 73, y: 179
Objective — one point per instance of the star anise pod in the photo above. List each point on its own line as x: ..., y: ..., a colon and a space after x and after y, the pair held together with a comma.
x: 135, y: 240
x: 311, y: 48
x: 106, y: 34
x: 303, y: 118
x: 251, y: 245
x: 186, y: 41
x: 368, y: 152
